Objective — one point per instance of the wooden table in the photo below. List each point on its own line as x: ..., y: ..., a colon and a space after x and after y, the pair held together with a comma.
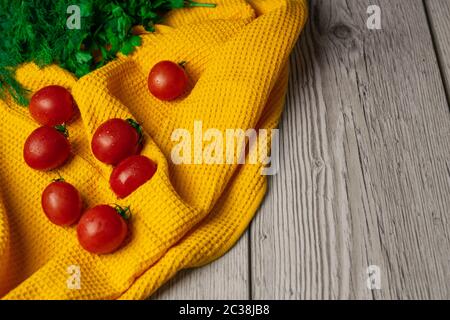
x: 365, y: 170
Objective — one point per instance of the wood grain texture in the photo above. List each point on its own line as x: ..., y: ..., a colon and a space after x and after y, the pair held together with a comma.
x: 365, y: 170
x: 439, y: 19
x: 365, y: 176
x: 226, y: 278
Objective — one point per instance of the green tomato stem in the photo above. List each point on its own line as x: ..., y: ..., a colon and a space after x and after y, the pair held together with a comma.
x: 125, y: 213
x: 137, y: 127
x: 190, y: 3
x: 63, y: 129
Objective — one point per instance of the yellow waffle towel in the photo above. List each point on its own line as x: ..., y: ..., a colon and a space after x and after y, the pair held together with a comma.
x: 188, y: 214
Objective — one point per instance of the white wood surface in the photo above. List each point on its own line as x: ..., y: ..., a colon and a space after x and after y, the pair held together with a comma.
x: 365, y: 170
x: 439, y: 19
x: 226, y: 278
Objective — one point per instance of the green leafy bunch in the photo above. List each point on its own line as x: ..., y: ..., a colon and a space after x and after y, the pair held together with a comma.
x: 36, y: 30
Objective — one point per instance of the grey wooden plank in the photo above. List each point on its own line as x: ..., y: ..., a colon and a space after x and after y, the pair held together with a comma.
x: 226, y: 278
x: 365, y: 175
x: 439, y: 19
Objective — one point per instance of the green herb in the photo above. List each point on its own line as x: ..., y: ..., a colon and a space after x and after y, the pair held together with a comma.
x: 35, y: 30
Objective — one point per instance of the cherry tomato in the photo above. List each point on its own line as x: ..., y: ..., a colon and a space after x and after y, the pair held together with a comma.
x: 167, y: 80
x: 115, y: 140
x: 52, y: 105
x: 102, y: 229
x: 61, y: 203
x: 130, y: 174
x: 46, y: 148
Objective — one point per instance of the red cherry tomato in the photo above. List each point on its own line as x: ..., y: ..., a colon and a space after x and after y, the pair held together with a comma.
x: 130, y: 174
x: 167, y: 80
x: 52, y: 105
x: 61, y: 203
x: 115, y: 140
x: 46, y: 148
x: 102, y: 229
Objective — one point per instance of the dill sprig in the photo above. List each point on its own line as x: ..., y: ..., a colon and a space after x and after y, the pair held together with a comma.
x: 35, y: 30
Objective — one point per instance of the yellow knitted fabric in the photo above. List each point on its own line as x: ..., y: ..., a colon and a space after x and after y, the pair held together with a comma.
x: 186, y: 215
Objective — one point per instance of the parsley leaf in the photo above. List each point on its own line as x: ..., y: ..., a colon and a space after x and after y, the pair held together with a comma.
x: 37, y: 31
